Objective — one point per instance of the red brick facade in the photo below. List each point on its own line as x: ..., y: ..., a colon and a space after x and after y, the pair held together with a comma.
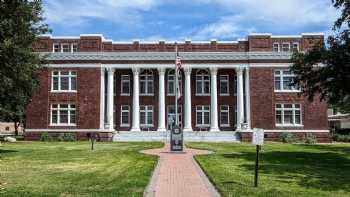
x: 263, y: 98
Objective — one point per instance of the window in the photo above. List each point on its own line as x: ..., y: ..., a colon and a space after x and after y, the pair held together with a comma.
x: 224, y: 85
x: 171, y: 115
x: 285, y: 47
x: 283, y: 80
x: 295, y: 46
x: 288, y: 115
x: 146, y: 116
x: 125, y: 85
x: 74, y: 47
x: 202, y: 116
x: 56, y: 48
x: 63, y: 114
x: 171, y: 83
x: 146, y: 83
x: 124, y: 116
x: 66, y: 48
x: 224, y: 116
x: 276, y: 47
x: 202, y: 83
x: 64, y: 81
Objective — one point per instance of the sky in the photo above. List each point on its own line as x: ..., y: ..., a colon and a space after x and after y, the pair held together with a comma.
x: 153, y: 20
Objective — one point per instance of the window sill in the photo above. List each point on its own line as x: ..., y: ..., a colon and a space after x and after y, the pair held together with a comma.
x: 146, y: 126
x: 287, y: 91
x: 202, y: 125
x: 289, y: 125
x: 63, y: 91
x: 146, y: 94
x: 225, y: 125
x: 202, y: 94
x: 224, y: 94
x: 124, y: 125
x: 124, y: 94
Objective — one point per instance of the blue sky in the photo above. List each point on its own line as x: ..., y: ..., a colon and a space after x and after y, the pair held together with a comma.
x: 125, y: 20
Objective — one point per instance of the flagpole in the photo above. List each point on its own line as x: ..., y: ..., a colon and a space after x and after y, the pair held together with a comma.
x: 176, y: 84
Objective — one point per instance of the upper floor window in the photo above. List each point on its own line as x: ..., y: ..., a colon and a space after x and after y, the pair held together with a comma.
x: 284, y: 80
x: 125, y: 85
x: 146, y: 83
x: 224, y: 85
x: 285, y: 47
x: 171, y: 82
x: 224, y: 115
x: 288, y: 115
x: 125, y: 116
x: 146, y: 116
x: 202, y: 83
x: 64, y: 81
x: 202, y: 115
x: 295, y: 46
x: 65, y: 47
x: 63, y: 115
x: 276, y: 47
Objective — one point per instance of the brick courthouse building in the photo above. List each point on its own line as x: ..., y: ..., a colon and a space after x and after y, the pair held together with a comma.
x: 91, y: 84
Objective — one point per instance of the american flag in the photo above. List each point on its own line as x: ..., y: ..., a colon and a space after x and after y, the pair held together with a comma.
x: 178, y: 71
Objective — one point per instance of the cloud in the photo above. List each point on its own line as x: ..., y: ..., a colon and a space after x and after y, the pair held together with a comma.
x: 78, y: 12
x: 245, y: 16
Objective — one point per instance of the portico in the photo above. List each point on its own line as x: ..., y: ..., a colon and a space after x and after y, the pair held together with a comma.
x: 241, y: 101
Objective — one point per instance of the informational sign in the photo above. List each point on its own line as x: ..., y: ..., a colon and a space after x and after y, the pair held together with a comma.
x: 258, y: 137
x: 176, y: 139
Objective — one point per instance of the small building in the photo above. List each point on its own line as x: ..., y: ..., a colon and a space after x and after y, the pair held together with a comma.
x: 8, y: 128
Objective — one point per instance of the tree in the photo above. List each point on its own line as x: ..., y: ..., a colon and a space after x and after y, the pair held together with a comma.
x: 331, y: 78
x: 21, y: 22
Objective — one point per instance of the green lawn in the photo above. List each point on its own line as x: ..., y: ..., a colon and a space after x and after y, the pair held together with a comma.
x: 286, y: 169
x: 72, y: 169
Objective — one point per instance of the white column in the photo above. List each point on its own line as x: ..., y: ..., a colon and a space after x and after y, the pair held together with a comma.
x: 188, y: 106
x: 214, y: 100
x: 247, y: 98
x: 110, y: 99
x: 240, y: 99
x: 102, y: 99
x: 161, y: 107
x: 135, y: 102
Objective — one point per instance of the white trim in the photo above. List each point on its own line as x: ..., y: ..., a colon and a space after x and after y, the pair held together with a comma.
x: 69, y: 109
x: 286, y: 36
x: 285, y: 43
x: 203, y: 111
x: 121, y: 117
x: 66, y: 130
x: 294, y: 109
x: 147, y: 108
x: 203, y: 82
x: 69, y: 75
x: 287, y: 91
x: 292, y: 131
x: 281, y: 76
x: 278, y: 47
x: 270, y: 65
x: 228, y: 85
x: 121, y: 85
x: 228, y: 116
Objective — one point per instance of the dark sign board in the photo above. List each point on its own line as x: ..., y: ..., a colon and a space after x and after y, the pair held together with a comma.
x: 176, y: 139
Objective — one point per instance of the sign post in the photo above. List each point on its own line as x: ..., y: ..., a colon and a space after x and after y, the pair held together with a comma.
x: 258, y: 140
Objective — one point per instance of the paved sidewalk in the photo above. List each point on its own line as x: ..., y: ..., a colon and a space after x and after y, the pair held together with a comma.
x: 178, y: 175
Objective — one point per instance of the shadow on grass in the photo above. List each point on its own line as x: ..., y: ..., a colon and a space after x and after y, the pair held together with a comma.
x: 7, y: 151
x: 325, y: 171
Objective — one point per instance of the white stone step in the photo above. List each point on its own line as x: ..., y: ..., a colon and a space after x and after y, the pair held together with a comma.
x: 202, y: 136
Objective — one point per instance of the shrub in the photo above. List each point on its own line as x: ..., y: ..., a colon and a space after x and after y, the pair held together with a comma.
x: 60, y: 137
x: 341, y: 138
x: 288, y: 138
x: 69, y: 137
x: 310, y: 139
x: 45, y: 137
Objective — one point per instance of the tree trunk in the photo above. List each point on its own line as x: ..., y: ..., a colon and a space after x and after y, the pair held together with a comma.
x: 16, y: 128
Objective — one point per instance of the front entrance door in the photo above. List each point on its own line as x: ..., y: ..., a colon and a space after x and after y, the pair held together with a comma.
x: 171, y: 115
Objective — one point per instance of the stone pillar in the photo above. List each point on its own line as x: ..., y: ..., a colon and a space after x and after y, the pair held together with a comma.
x: 102, y: 99
x: 135, y: 101
x: 240, y: 98
x: 214, y: 100
x: 161, y: 107
x: 188, y: 105
x: 247, y: 98
x: 110, y: 99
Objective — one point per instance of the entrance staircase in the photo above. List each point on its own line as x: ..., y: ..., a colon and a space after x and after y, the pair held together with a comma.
x: 164, y: 136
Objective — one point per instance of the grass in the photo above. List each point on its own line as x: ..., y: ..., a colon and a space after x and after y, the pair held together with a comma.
x: 72, y: 169
x: 285, y: 170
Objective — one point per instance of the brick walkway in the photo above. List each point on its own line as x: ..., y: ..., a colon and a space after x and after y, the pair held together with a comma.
x: 178, y: 175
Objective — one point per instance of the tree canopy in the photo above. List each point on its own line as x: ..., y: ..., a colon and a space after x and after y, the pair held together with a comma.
x: 325, y: 69
x: 21, y: 22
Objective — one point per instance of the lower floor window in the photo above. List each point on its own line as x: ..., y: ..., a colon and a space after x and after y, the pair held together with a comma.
x: 146, y: 116
x: 288, y: 114
x: 63, y: 114
x: 224, y: 116
x: 202, y: 115
x: 125, y: 116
